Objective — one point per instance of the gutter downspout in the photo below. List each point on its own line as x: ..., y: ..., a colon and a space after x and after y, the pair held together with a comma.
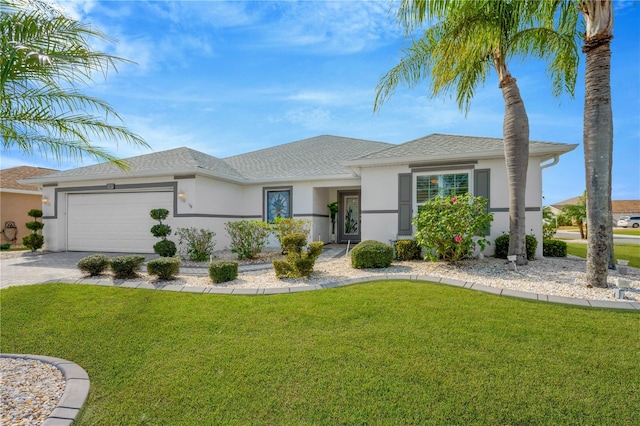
x: 556, y: 159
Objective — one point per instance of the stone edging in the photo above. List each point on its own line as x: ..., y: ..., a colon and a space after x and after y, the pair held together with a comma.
x: 448, y: 281
x: 75, y: 393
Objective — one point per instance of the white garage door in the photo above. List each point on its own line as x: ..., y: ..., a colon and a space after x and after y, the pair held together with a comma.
x: 114, y: 222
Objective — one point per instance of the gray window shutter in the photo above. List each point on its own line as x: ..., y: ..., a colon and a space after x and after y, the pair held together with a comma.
x: 405, y: 201
x: 481, y: 185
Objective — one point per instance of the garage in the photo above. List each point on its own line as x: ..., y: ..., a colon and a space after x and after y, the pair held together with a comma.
x: 114, y: 221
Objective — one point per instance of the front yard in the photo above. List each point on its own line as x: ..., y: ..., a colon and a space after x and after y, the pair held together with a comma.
x: 389, y: 352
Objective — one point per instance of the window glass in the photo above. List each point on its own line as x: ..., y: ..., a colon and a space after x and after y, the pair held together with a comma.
x: 430, y: 186
x: 278, y: 204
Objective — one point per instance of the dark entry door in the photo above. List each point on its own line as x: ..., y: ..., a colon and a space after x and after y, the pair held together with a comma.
x: 349, y: 216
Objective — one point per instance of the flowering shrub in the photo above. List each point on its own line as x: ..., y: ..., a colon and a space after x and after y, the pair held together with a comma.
x: 450, y: 227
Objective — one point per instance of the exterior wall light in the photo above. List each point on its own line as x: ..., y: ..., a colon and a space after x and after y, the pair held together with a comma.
x: 182, y: 196
x: 46, y: 201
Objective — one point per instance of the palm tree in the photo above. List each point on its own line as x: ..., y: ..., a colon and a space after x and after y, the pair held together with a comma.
x: 598, y: 137
x: 458, y: 52
x: 44, y: 57
x: 578, y: 214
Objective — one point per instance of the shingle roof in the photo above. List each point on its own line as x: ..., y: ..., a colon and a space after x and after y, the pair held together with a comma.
x: 617, y: 206
x: 439, y: 145
x: 625, y: 206
x: 9, y: 177
x: 172, y: 161
x: 313, y: 157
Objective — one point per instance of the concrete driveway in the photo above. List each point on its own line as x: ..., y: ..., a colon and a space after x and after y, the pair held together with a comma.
x: 23, y: 268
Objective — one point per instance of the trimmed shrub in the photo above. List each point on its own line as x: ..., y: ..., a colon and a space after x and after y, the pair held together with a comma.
x: 407, y: 250
x: 315, y: 249
x: 247, y: 237
x: 223, y: 271
x: 165, y: 248
x: 34, y: 241
x: 371, y: 254
x: 502, y: 246
x: 126, y: 266
x: 6, y: 246
x: 283, y: 226
x: 94, y: 265
x: 165, y: 268
x: 554, y: 248
x: 196, y: 244
x: 298, y: 263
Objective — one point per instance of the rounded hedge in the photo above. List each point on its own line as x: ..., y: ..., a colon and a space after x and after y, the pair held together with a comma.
x: 223, y: 271
x: 371, y: 254
x: 165, y: 268
x: 502, y: 246
x: 94, y: 265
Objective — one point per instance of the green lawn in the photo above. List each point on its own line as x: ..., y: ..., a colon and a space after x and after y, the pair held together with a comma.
x: 393, y: 352
x: 630, y: 252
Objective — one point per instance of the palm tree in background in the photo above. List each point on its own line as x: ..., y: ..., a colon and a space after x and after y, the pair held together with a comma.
x: 44, y: 57
x: 598, y: 137
x: 468, y: 40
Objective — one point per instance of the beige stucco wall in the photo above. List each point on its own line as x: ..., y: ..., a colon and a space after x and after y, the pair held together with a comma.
x: 14, y: 207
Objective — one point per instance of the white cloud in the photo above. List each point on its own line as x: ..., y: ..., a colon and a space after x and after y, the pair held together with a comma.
x: 316, y: 119
x: 329, y: 27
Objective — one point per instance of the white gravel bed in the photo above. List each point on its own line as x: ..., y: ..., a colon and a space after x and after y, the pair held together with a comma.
x: 551, y: 276
x: 29, y: 391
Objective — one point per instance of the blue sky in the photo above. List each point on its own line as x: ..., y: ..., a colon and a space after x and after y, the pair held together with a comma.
x: 228, y: 77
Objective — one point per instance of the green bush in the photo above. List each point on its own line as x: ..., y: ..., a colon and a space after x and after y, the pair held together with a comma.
x: 126, y: 266
x: 502, y: 246
x: 315, y: 249
x: 283, y: 226
x: 450, y: 227
x: 247, y: 237
x: 6, y: 246
x: 159, y: 214
x: 407, y: 250
x: 223, y: 271
x: 94, y: 265
x: 196, y: 244
x: 165, y: 248
x: 371, y: 254
x: 298, y: 263
x: 165, y: 268
x: 548, y: 231
x: 33, y: 241
x: 554, y: 248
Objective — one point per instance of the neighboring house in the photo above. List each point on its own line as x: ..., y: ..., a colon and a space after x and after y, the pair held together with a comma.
x: 16, y: 199
x: 619, y: 208
x: 378, y: 186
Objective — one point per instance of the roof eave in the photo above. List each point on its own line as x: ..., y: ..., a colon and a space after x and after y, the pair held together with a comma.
x: 543, y: 152
x: 123, y: 175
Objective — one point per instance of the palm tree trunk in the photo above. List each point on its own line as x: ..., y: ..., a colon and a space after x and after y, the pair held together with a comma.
x: 598, y: 139
x: 516, y: 151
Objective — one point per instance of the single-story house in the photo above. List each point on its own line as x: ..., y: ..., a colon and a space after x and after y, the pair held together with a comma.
x: 17, y: 199
x: 378, y: 187
x: 619, y: 208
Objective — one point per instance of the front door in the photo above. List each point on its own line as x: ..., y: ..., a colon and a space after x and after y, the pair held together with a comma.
x: 349, y: 216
